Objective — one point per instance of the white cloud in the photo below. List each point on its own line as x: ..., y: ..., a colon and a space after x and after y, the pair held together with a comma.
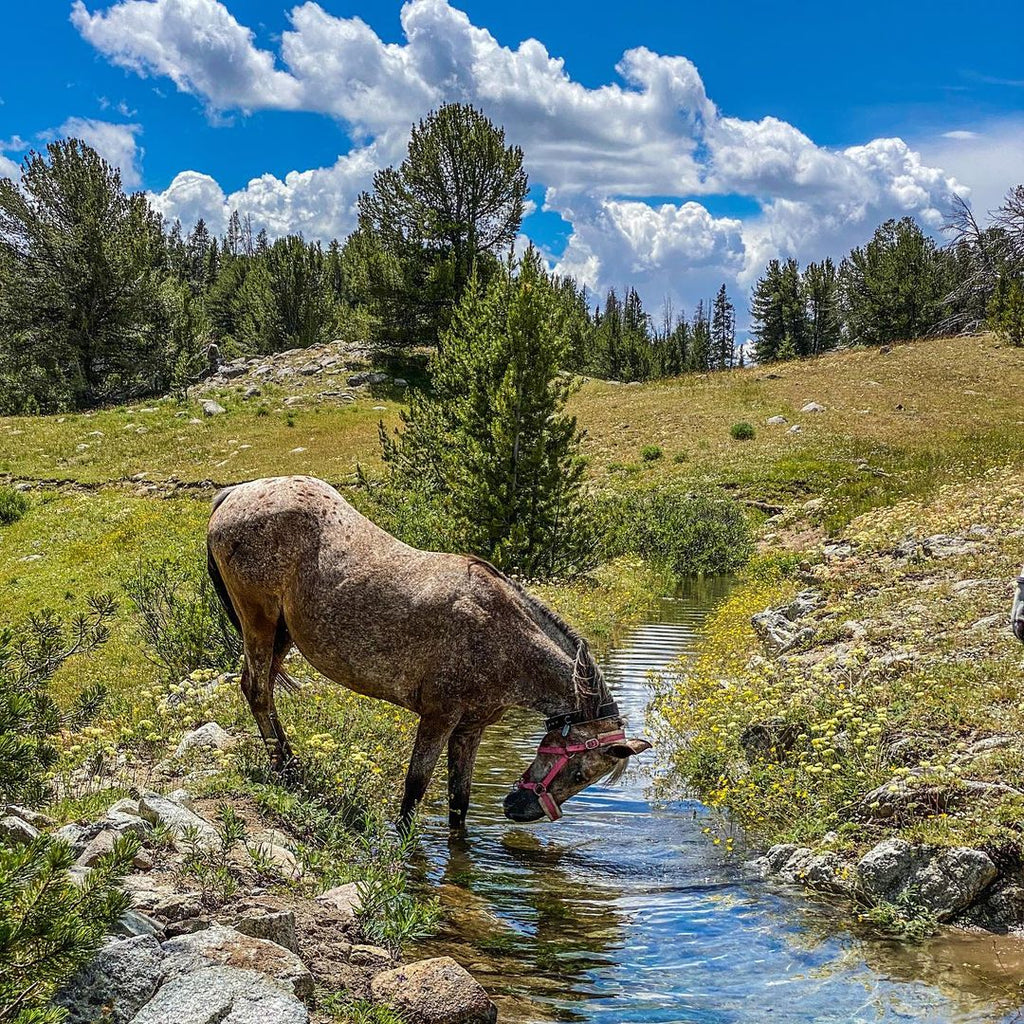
x: 196, y: 43
x: 989, y: 158
x: 599, y: 152
x: 8, y: 168
x: 114, y: 142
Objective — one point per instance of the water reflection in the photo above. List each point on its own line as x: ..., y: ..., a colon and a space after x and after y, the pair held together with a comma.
x: 623, y: 912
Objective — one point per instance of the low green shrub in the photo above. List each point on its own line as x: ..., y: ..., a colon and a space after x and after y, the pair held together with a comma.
x: 29, y: 717
x: 13, y: 505
x: 650, y: 452
x: 692, y: 534
x: 180, y: 617
x: 741, y: 431
x: 51, y: 926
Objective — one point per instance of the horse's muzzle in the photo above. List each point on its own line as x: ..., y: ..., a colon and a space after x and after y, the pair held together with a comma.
x: 523, y: 807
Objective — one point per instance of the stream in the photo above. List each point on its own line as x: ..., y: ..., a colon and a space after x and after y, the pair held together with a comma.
x: 625, y: 911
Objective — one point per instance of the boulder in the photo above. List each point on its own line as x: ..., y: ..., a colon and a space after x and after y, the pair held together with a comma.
x: 26, y: 814
x: 370, y: 377
x: 226, y: 946
x: 274, y: 925
x: 435, y: 991
x: 813, y: 407
x: 344, y: 899
x: 121, y: 978
x: 16, y: 831
x: 222, y: 995
x: 942, y: 881
x: 209, y: 736
x: 776, y: 421
x: 155, y: 808
x: 212, y: 408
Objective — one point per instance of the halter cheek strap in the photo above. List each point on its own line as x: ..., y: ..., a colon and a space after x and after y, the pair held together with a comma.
x: 564, y: 754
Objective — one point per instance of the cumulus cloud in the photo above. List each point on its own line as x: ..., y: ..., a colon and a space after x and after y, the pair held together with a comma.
x: 990, y: 157
x: 608, y: 156
x: 8, y: 168
x: 116, y: 143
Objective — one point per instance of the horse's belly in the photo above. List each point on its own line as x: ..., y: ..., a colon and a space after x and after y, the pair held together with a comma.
x: 380, y: 685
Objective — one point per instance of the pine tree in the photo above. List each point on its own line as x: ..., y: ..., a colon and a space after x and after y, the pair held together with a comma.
x: 723, y: 331
x: 820, y: 288
x: 492, y: 441
x: 82, y: 264
x: 893, y: 287
x: 448, y: 213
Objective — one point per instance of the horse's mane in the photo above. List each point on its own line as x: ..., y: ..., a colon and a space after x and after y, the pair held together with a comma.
x: 589, y: 684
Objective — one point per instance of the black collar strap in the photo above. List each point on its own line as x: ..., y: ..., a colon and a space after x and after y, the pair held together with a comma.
x: 607, y: 710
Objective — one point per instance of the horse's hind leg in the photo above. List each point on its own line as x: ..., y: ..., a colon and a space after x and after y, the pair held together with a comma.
x: 258, y: 687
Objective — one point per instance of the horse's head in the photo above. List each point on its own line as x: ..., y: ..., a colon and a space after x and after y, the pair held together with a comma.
x: 1017, y: 612
x: 572, y: 756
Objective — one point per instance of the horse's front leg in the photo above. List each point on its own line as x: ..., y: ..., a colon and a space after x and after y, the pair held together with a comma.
x: 431, y: 737
x: 462, y: 750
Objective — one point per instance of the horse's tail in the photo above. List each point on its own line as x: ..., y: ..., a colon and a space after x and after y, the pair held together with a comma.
x: 281, y: 638
x: 214, y: 571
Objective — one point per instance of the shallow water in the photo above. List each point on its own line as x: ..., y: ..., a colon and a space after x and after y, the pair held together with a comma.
x: 625, y: 912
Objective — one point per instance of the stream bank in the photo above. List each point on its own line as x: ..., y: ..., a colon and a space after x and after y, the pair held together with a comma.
x: 626, y: 911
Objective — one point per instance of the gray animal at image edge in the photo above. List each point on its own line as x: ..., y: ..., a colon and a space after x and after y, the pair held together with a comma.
x: 447, y: 636
x: 1017, y: 611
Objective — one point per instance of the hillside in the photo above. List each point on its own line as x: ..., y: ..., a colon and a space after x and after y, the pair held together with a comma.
x: 904, y: 445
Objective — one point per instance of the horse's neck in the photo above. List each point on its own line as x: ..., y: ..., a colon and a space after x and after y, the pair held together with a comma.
x: 549, y: 683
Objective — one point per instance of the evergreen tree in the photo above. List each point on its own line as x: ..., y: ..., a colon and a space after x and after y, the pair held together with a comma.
x: 723, y: 331
x: 777, y: 313
x: 893, y: 287
x: 492, y: 442
x: 821, y: 296
x: 448, y: 212
x: 700, y: 340
x: 82, y: 264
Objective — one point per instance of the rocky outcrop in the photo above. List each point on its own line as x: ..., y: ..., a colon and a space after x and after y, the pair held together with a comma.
x: 780, y: 629
x: 942, y: 881
x: 181, y: 957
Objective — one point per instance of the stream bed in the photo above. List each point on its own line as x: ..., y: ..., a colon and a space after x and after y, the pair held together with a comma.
x: 625, y: 911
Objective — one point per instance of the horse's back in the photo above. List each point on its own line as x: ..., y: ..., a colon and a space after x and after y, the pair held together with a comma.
x: 262, y: 532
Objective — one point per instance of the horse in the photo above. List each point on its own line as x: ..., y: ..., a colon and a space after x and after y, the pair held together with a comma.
x: 447, y: 636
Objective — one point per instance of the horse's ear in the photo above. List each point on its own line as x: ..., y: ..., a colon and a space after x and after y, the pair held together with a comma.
x: 627, y: 748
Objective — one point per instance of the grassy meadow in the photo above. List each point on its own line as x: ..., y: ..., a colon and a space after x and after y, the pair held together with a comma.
x: 922, y: 438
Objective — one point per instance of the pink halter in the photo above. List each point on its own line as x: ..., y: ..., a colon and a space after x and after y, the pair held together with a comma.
x: 565, y: 754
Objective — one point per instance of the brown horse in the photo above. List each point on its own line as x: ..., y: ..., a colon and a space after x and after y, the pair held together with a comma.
x: 446, y: 636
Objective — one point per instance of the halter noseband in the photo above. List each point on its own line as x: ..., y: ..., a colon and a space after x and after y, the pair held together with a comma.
x: 568, y: 751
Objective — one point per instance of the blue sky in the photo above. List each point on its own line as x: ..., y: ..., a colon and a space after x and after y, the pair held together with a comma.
x: 676, y: 146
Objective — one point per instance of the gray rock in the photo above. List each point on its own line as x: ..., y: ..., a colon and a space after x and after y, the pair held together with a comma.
x: 813, y: 407
x: 942, y: 881
x: 435, y: 991
x: 126, y: 805
x: 182, y: 797
x: 220, y: 944
x: 795, y: 429
x: 26, y: 814
x: 178, y: 819
x: 122, y: 977
x: 344, y: 899
x: 400, y: 382
x: 309, y: 369
x: 776, y: 421
x: 212, y: 408
x: 209, y: 736
x: 133, y: 924
x: 989, y: 622
x: 251, y: 392
x: 374, y: 957
x: 274, y: 925
x: 222, y: 995
x: 17, y: 831
x: 369, y: 377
